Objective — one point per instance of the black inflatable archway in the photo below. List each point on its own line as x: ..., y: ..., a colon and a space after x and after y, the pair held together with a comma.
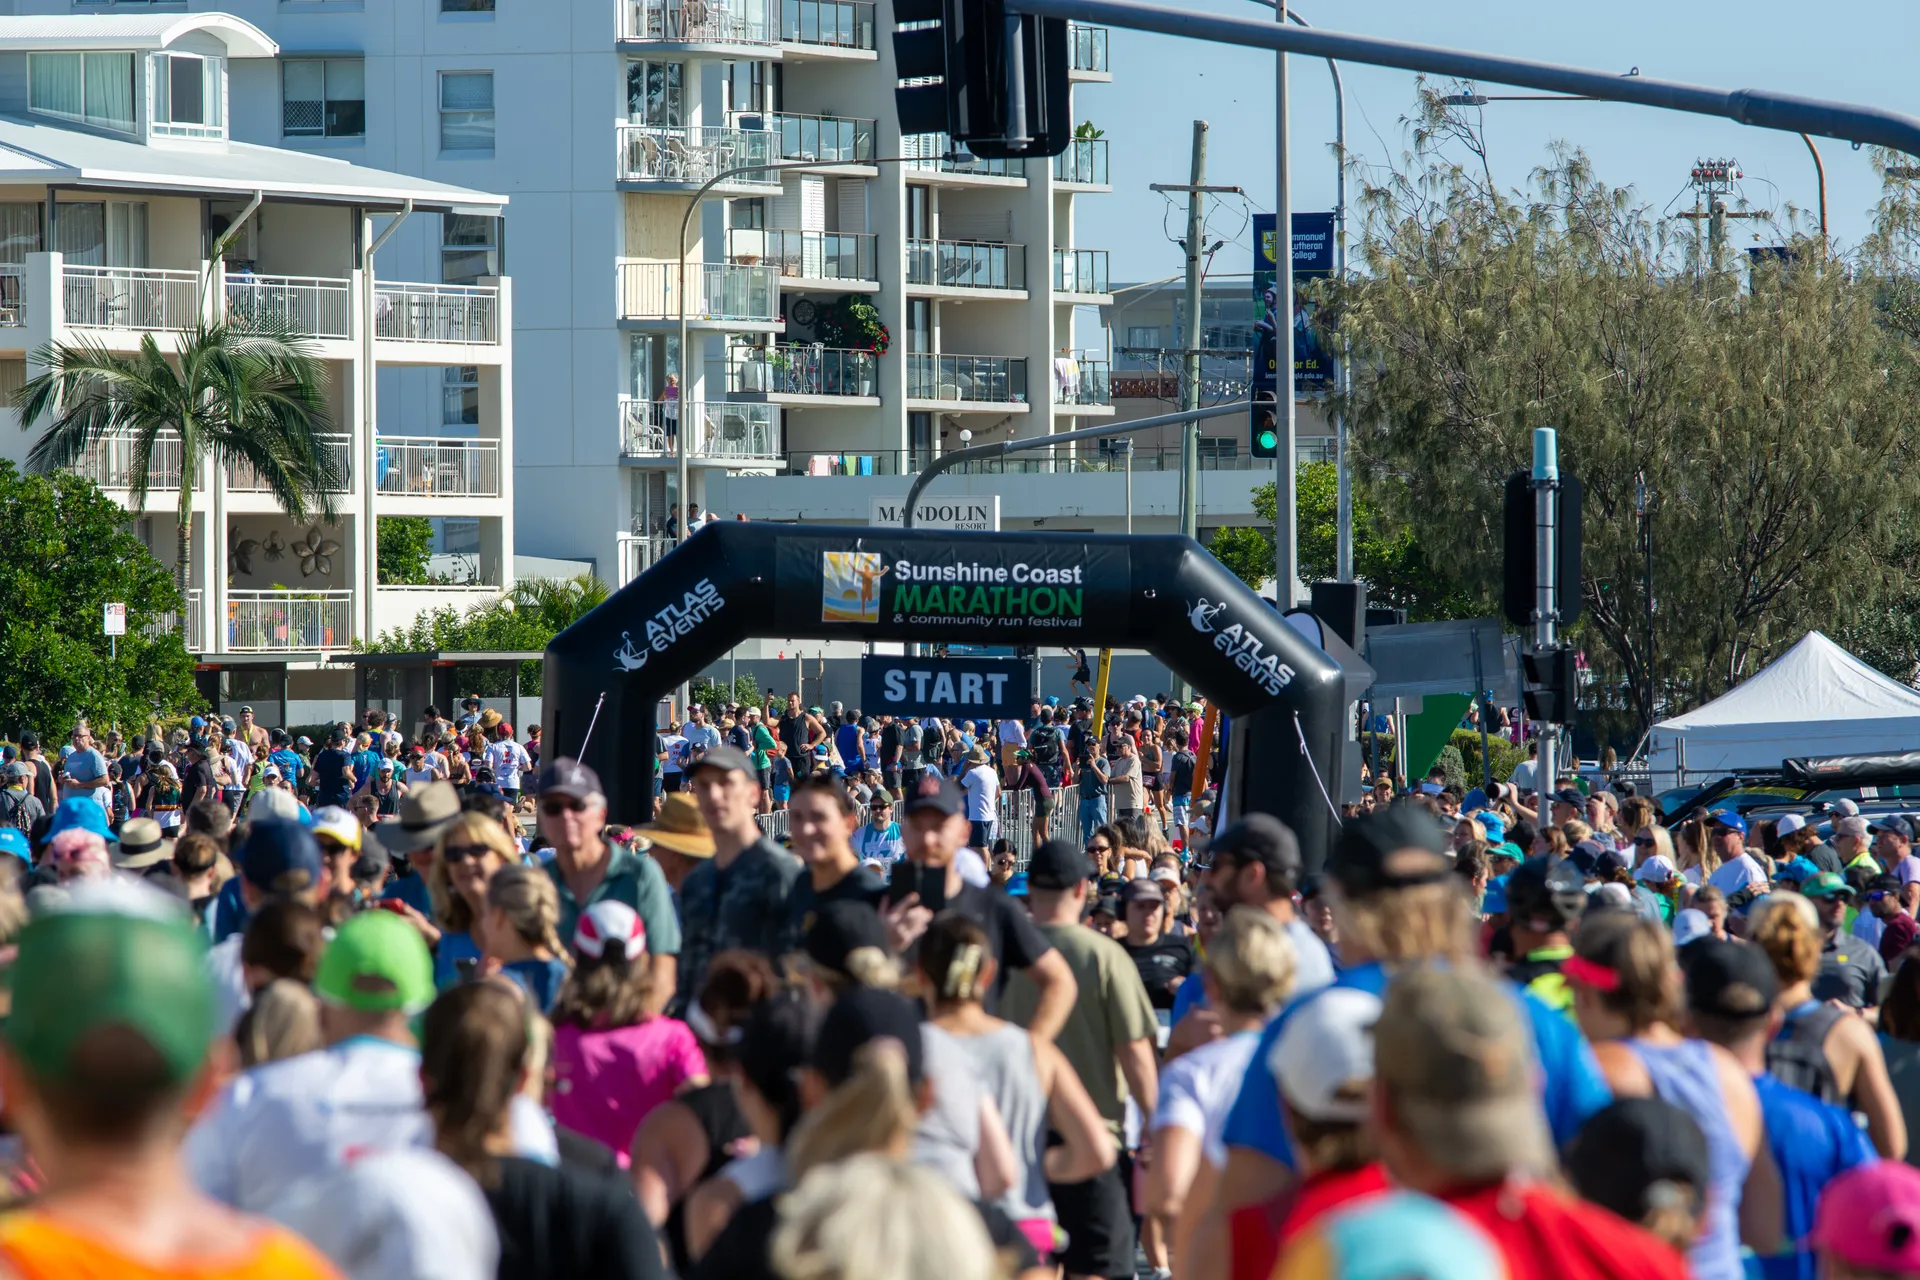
x: 1161, y: 593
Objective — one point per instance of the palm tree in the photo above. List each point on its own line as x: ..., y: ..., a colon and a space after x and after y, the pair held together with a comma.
x: 250, y: 392
x: 557, y: 602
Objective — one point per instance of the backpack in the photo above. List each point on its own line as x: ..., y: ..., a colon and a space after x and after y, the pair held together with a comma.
x: 1043, y: 744
x: 909, y: 733
x: 13, y: 809
x: 932, y: 748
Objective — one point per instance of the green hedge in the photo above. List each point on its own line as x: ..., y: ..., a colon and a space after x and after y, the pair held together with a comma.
x: 1506, y: 756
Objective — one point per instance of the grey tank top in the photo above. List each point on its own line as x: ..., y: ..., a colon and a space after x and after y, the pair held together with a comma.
x: 1004, y: 1063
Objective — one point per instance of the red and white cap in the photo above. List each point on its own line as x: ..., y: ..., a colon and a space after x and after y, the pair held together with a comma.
x: 608, y: 926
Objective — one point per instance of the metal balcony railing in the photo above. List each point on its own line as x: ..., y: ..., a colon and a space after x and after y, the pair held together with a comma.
x: 436, y: 467
x: 465, y: 314
x: 638, y: 551
x: 259, y: 621
x: 718, y: 291
x: 803, y: 370
x: 966, y: 264
x: 1086, y: 48
x: 1216, y: 454
x: 1082, y: 382
x: 717, y: 429
x: 109, y: 462
x: 979, y: 379
x: 693, y: 154
x: 829, y: 139
x: 699, y: 22
x: 841, y: 24
x: 12, y: 314
x: 188, y: 626
x: 1080, y: 271
x: 310, y: 305
x: 242, y: 478
x: 1083, y: 163
x: 941, y: 154
x: 808, y: 255
x: 130, y: 297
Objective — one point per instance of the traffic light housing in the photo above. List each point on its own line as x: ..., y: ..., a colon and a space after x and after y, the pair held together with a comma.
x: 1521, y: 580
x: 1551, y: 682
x: 957, y: 76
x: 1263, y: 428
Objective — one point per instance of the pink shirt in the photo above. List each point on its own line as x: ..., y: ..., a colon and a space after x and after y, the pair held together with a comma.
x: 605, y: 1082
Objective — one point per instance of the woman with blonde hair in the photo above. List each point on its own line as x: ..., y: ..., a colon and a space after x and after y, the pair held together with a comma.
x: 467, y: 853
x: 282, y: 1022
x: 1466, y: 831
x: 869, y: 1216
x: 1822, y: 1048
x: 1694, y: 853
x: 517, y: 932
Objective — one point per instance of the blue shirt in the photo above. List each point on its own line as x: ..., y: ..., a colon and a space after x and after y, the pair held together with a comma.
x: 1574, y: 1087
x: 541, y: 978
x: 1812, y: 1142
x: 412, y: 890
x: 847, y: 739
x: 291, y: 766
x: 453, y: 948
x: 365, y: 765
x: 229, y: 914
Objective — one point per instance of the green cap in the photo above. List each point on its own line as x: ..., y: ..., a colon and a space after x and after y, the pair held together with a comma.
x: 1826, y: 885
x: 376, y: 963
x: 86, y: 967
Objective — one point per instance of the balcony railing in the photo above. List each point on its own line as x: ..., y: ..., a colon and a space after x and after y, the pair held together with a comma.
x: 12, y: 314
x: 698, y: 22
x: 1217, y: 454
x: 1083, y: 382
x: 718, y: 291
x: 841, y: 24
x: 638, y: 551
x: 1083, y: 163
x: 797, y: 370
x: 941, y: 154
x: 190, y: 627
x: 431, y: 466
x: 695, y: 154
x: 1080, y: 271
x: 109, y: 462
x: 828, y: 139
x: 453, y: 313
x: 727, y: 429
x: 966, y: 264
x: 271, y: 620
x: 242, y: 478
x: 979, y: 379
x: 808, y: 255
x: 1086, y: 48
x: 309, y: 305
x: 130, y: 297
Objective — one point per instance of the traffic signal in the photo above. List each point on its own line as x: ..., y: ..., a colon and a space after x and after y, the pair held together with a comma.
x: 993, y: 80
x: 1551, y: 681
x: 1264, y: 428
x: 1519, y: 588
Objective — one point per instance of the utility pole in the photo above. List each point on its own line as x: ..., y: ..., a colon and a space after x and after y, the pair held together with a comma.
x: 1190, y: 371
x: 1712, y: 183
x: 1546, y: 611
x: 1286, y: 550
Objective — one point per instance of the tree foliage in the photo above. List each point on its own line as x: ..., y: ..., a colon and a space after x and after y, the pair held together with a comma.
x: 527, y: 618
x: 68, y: 552
x: 1246, y: 552
x: 405, y: 549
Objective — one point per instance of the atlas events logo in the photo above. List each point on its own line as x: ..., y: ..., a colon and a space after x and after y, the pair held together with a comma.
x: 1242, y: 646
x: 668, y: 625
x: 850, y: 586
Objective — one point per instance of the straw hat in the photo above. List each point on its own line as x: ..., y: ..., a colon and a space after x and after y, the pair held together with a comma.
x: 489, y: 719
x: 679, y: 827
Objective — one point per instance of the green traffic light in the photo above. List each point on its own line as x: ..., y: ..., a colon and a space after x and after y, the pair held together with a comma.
x: 1268, y: 440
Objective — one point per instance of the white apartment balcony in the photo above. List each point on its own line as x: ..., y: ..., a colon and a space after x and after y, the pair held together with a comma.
x: 435, y: 467
x: 961, y: 384
x: 1081, y: 386
x: 1080, y: 277
x: 638, y: 552
x: 800, y: 376
x: 312, y: 305
x: 827, y: 30
x: 940, y: 161
x: 747, y: 27
x: 721, y: 295
x: 1087, y: 54
x: 725, y: 433
x: 109, y: 463
x: 1083, y: 165
x: 191, y: 626
x: 464, y: 315
x: 966, y: 268
x: 141, y: 298
x: 242, y: 478
x: 292, y: 621
x: 667, y: 158
x: 838, y: 144
x: 811, y: 261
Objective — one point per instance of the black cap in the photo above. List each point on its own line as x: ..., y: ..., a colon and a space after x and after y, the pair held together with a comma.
x: 857, y: 1019
x: 1585, y: 856
x: 1109, y: 904
x: 1542, y: 900
x: 1396, y: 847
x: 1570, y: 795
x: 1143, y: 890
x: 1626, y: 1150
x: 568, y: 777
x: 1261, y: 838
x: 1611, y: 860
x: 1057, y: 864
x: 936, y: 794
x: 1730, y: 979
x: 840, y: 928
x: 732, y: 759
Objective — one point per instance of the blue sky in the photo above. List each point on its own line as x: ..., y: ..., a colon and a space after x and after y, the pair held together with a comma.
x: 1860, y: 51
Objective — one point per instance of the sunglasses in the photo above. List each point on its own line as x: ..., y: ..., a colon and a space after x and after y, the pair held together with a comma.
x: 554, y: 808
x: 1877, y: 895
x: 1645, y: 842
x: 1099, y: 848
x: 461, y: 852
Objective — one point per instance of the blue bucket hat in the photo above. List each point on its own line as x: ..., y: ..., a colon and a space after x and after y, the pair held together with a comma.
x: 81, y: 812
x: 14, y: 841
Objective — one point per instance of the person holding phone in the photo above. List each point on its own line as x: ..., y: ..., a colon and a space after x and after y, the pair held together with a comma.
x: 929, y: 882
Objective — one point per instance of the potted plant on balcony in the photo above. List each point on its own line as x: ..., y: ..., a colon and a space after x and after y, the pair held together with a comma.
x: 854, y: 324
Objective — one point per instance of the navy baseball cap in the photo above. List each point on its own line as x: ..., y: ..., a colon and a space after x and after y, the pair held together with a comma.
x: 941, y: 795
x: 1730, y: 820
x: 1894, y: 824
x: 280, y: 856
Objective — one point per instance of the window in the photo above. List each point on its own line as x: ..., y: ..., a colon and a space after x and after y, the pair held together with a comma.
x: 1143, y: 335
x: 1212, y: 451
x: 655, y: 93
x: 469, y: 247
x: 92, y: 88
x: 751, y: 86
x: 466, y: 111
x: 460, y: 396
x: 749, y: 215
x: 466, y: 6
x: 96, y: 234
x: 324, y: 98
x: 187, y: 96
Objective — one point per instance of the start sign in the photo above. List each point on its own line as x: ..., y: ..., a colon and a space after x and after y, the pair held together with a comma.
x: 958, y: 688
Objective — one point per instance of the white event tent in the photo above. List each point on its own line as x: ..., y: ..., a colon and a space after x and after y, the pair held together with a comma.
x: 1816, y: 699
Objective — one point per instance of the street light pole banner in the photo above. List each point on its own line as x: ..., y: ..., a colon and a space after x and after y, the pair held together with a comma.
x: 1312, y: 260
x: 957, y: 688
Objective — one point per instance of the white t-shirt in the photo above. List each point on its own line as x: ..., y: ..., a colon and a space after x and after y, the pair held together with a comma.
x: 1198, y: 1089
x: 1522, y: 776
x: 280, y: 1124
x: 507, y: 759
x: 1739, y: 873
x: 983, y: 793
x: 229, y: 980
x: 398, y: 1215
x: 242, y: 757
x: 1013, y: 733
x: 418, y: 777
x: 676, y: 752
x: 1312, y: 966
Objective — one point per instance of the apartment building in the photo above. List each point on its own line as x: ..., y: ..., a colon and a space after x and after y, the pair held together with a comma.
x: 120, y: 169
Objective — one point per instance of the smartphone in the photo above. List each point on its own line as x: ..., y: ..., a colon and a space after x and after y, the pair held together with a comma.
x: 911, y: 877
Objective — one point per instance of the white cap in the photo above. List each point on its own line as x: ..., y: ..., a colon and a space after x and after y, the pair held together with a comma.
x: 1789, y: 824
x: 1613, y: 895
x: 1658, y: 869
x: 273, y: 804
x: 1324, y: 1056
x: 610, y: 924
x: 1845, y: 808
x: 1690, y: 926
x: 332, y: 820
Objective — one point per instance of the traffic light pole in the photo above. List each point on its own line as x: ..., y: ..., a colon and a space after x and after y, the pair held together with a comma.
x: 1546, y: 609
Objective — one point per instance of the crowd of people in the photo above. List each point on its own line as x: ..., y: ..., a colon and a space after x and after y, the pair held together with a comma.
x: 1496, y: 1034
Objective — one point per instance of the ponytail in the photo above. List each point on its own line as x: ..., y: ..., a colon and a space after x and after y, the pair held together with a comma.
x: 1786, y: 927
x: 955, y: 960
x: 473, y: 1048
x: 871, y: 1111
x: 532, y: 906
